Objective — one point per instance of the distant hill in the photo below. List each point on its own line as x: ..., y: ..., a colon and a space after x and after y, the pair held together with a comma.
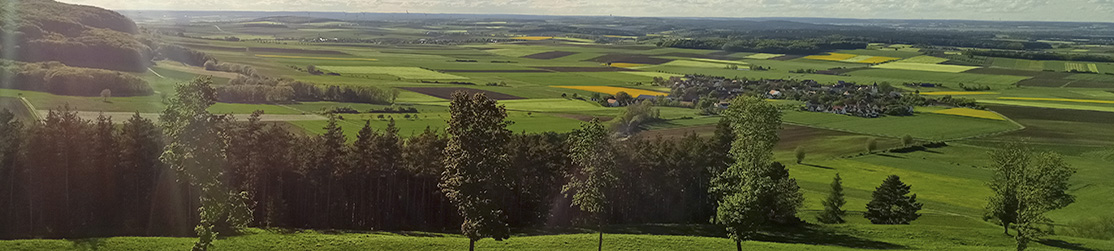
x: 76, y: 35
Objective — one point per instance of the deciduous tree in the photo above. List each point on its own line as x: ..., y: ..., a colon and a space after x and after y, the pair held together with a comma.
x: 592, y: 153
x: 475, y: 160
x: 754, y: 192
x: 195, y: 151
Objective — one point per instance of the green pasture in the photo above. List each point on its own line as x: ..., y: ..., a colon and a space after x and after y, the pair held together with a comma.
x: 638, y: 237
x: 883, y: 53
x: 924, y: 60
x: 402, y: 72
x: 922, y: 126
x: 699, y: 64
x: 924, y: 67
x: 995, y: 81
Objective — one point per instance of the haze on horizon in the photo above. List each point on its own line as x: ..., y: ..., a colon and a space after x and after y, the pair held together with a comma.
x: 991, y: 10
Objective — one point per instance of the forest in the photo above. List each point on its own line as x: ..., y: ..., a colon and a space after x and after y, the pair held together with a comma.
x: 79, y: 36
x: 379, y: 181
x: 1035, y: 55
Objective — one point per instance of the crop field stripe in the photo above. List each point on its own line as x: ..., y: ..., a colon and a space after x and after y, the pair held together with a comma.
x: 626, y: 65
x: 857, y: 58
x: 968, y: 112
x: 322, y: 58
x: 958, y: 93
x: 924, y: 60
x: 398, y: 71
x: 900, y: 65
x: 614, y: 90
x: 832, y: 57
x: 533, y: 38
x: 1060, y: 99
x: 1093, y: 68
x: 764, y: 56
x: 876, y: 59
x: 1036, y: 65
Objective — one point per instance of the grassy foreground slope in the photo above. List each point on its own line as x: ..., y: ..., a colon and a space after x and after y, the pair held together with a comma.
x: 654, y: 237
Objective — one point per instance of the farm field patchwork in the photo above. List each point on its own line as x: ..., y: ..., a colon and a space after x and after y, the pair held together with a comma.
x: 968, y: 112
x: 398, y: 71
x: 615, y: 90
x: 321, y: 58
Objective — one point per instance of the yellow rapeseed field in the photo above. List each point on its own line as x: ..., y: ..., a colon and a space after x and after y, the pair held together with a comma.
x: 1062, y: 100
x: 322, y: 58
x: 958, y: 93
x: 832, y: 56
x: 614, y: 90
x: 533, y: 38
x: 968, y: 112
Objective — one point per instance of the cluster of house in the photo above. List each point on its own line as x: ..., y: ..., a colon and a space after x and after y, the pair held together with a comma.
x: 869, y: 101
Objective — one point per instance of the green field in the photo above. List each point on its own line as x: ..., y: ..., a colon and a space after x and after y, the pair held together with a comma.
x: 924, y: 125
x: 402, y: 72
x: 999, y: 81
x: 924, y: 60
x: 924, y: 67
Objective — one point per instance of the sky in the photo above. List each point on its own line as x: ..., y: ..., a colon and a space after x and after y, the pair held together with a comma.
x: 1008, y: 10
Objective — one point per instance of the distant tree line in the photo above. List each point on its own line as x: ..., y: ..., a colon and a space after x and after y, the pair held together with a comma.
x: 182, y: 54
x: 804, y: 46
x: 985, y: 40
x: 57, y: 78
x: 1040, y: 55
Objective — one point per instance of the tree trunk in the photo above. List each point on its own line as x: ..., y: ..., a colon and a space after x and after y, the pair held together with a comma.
x: 601, y: 237
x: 471, y: 244
x: 739, y: 245
x: 1006, y: 228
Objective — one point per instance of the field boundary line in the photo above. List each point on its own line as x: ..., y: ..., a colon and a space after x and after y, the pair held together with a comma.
x: 31, y: 108
x: 156, y: 73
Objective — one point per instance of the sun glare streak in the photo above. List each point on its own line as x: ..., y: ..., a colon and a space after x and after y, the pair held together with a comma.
x: 7, y: 38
